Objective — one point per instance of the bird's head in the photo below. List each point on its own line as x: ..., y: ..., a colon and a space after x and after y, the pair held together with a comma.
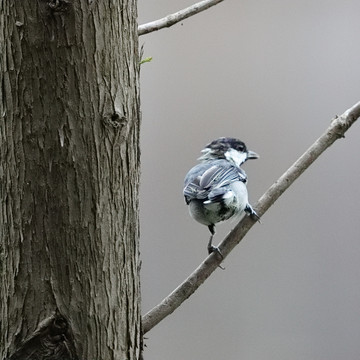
x: 230, y: 149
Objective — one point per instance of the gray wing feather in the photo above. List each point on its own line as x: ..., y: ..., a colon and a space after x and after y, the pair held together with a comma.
x: 202, y: 179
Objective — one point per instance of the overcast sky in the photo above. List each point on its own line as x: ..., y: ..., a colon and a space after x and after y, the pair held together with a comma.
x: 272, y: 73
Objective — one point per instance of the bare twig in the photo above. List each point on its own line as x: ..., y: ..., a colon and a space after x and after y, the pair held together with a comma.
x: 172, y: 19
x: 336, y: 130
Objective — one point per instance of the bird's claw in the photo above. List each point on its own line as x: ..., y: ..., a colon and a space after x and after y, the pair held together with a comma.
x: 212, y: 249
x: 252, y: 213
x: 215, y: 249
x: 256, y: 217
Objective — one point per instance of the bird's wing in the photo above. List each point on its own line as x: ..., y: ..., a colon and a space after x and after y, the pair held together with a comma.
x: 207, y: 179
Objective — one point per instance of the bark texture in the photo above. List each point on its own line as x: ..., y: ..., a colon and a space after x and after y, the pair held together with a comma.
x: 69, y: 176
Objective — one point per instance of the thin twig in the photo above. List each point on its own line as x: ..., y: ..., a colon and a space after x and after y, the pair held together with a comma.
x: 336, y: 130
x: 172, y: 19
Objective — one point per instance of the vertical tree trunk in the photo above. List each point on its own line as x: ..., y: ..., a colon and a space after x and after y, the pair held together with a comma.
x: 69, y: 175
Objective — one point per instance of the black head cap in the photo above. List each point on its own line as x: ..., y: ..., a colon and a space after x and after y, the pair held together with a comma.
x: 221, y: 145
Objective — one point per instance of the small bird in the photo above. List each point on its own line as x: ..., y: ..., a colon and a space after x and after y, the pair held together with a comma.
x: 215, y: 189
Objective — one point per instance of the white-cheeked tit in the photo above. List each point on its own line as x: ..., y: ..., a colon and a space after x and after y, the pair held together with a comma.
x: 215, y: 189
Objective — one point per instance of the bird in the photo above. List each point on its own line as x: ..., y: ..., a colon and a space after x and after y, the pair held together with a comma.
x: 215, y: 189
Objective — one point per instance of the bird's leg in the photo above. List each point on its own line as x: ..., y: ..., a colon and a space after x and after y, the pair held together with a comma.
x: 211, y: 248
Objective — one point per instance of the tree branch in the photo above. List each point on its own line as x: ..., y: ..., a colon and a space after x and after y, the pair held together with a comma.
x: 172, y: 19
x: 336, y: 130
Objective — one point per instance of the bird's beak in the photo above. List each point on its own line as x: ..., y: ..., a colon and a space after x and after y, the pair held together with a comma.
x: 252, y: 155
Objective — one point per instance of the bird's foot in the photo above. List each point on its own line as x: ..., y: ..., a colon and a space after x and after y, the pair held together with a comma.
x: 252, y: 213
x: 212, y: 249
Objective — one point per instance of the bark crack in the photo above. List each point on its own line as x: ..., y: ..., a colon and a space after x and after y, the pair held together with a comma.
x: 52, y: 340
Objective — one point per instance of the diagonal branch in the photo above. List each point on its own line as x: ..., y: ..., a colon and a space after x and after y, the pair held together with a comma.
x: 174, y: 18
x: 335, y: 131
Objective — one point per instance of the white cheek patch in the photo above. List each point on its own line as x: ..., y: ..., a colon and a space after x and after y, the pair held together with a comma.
x: 235, y: 157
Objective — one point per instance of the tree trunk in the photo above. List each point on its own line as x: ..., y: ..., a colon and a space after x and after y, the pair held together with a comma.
x: 69, y: 176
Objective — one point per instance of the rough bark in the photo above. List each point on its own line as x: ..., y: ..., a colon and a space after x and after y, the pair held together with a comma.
x: 69, y: 175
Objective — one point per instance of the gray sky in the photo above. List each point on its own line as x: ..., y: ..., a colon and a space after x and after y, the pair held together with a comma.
x: 272, y: 73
